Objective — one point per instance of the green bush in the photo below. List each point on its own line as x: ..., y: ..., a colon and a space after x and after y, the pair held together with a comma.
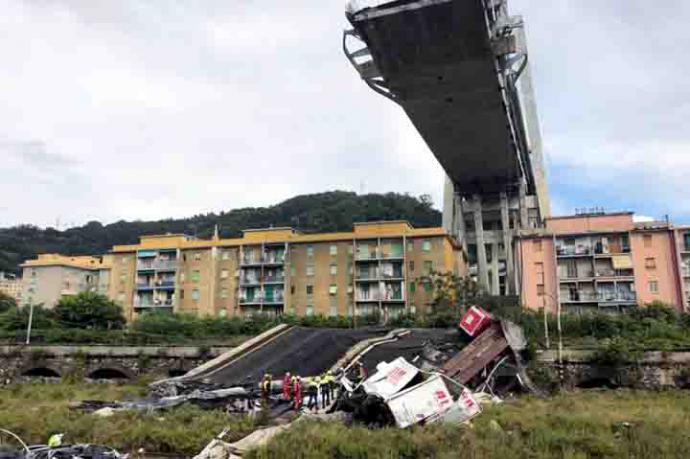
x: 6, y: 302
x: 90, y: 310
x: 17, y: 319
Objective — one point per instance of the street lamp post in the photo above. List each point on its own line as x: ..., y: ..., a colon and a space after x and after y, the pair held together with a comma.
x: 28, y: 326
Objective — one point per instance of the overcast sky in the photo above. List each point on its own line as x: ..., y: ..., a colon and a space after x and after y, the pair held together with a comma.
x: 143, y: 109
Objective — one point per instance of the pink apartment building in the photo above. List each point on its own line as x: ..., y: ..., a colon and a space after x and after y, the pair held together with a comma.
x: 603, y: 262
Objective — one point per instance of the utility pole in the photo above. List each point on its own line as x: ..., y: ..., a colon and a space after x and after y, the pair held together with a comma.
x: 28, y: 327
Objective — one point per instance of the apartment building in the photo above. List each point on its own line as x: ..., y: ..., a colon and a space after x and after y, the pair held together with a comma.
x: 377, y: 267
x: 52, y: 276
x: 11, y: 285
x: 598, y: 261
x: 683, y: 253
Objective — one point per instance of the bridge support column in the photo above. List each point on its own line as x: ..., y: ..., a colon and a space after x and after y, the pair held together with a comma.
x: 483, y: 268
x: 507, y: 243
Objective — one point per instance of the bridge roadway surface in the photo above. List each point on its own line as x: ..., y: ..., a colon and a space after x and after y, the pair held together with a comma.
x: 302, y: 351
x: 436, y: 59
x: 312, y: 351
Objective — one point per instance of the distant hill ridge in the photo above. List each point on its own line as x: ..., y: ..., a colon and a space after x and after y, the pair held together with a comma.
x: 322, y: 212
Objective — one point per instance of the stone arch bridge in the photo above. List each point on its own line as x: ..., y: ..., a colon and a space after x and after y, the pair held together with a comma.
x: 18, y: 362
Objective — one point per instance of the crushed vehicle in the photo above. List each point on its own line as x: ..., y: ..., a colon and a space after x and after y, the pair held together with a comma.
x: 401, y: 394
x: 21, y: 450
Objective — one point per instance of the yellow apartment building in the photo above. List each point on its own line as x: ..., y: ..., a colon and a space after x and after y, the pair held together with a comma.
x: 51, y: 276
x: 11, y: 285
x: 377, y: 267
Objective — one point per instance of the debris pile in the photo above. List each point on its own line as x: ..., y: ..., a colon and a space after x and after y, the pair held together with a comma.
x: 54, y: 449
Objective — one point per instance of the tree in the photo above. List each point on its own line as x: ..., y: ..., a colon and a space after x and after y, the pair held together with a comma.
x: 6, y: 302
x: 89, y: 310
x: 452, y: 294
x: 17, y: 319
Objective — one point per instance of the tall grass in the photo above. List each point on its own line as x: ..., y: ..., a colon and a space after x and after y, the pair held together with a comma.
x: 582, y: 425
x: 34, y: 411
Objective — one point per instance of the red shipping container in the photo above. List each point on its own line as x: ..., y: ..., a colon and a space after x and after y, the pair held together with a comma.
x: 475, y: 321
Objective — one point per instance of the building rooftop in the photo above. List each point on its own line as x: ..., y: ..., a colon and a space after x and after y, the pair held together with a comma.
x: 364, y: 230
x: 55, y: 259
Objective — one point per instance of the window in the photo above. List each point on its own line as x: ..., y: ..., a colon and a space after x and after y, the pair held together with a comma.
x: 350, y: 250
x: 334, y: 306
x: 310, y: 270
x: 195, y: 294
x: 410, y: 246
x: 428, y: 266
x: 411, y: 266
x: 428, y: 287
x: 310, y: 251
x: 310, y: 310
x: 653, y: 287
x: 224, y: 293
x: 292, y: 290
x: 333, y: 249
x: 225, y: 255
x: 647, y: 238
x: 310, y: 289
x: 182, y: 277
x: 182, y: 294
x: 222, y: 313
x: 540, y: 289
x: 426, y: 245
x: 224, y: 273
x: 334, y: 269
x: 333, y: 289
x: 536, y: 244
x: 539, y: 271
x: 650, y: 263
x: 413, y: 287
x: 195, y: 276
x: 197, y: 256
x: 293, y: 271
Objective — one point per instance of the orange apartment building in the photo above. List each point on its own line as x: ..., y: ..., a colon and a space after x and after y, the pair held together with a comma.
x: 377, y: 267
x: 603, y: 262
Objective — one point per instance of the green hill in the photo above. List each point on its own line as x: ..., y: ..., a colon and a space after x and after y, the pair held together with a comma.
x: 330, y: 211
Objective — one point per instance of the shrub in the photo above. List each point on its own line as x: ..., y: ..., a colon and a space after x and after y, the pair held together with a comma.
x: 90, y: 310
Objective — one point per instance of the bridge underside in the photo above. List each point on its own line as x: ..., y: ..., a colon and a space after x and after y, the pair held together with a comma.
x: 459, y: 70
x: 437, y: 60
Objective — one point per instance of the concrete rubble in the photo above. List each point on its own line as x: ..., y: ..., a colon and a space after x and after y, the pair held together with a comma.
x: 439, y: 383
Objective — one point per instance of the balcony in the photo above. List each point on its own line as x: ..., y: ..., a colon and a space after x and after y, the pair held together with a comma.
x: 617, y: 297
x: 260, y: 299
x: 153, y: 304
x: 144, y: 285
x: 165, y: 284
x: 145, y: 264
x: 573, y: 251
x: 274, y: 279
x: 265, y: 260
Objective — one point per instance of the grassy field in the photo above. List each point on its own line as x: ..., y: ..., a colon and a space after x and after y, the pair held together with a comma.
x: 622, y: 424
x: 592, y: 424
x: 33, y: 411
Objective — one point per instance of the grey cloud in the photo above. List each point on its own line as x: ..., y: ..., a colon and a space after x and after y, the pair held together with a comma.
x: 170, y: 108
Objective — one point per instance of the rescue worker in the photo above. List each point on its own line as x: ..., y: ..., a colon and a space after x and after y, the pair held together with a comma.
x: 297, y: 392
x: 325, y: 391
x: 55, y: 440
x: 330, y: 386
x: 287, y: 387
x: 313, y: 391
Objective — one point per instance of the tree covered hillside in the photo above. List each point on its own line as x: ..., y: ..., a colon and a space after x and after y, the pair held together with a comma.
x: 330, y: 211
